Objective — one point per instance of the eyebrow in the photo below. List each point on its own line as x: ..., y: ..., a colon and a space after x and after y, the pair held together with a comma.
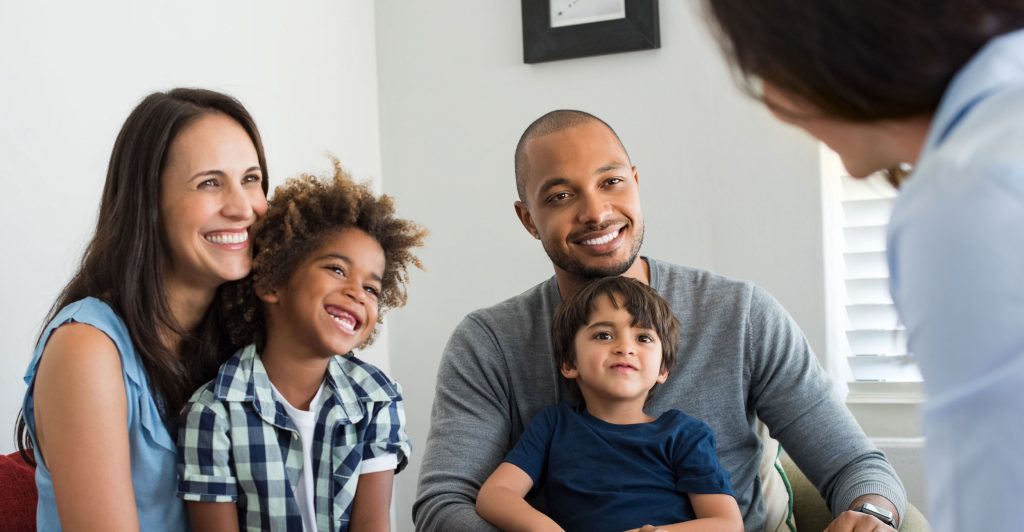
x: 609, y: 167
x: 551, y: 183
x: 218, y: 173
x: 556, y: 181
x: 610, y: 324
x: 347, y: 261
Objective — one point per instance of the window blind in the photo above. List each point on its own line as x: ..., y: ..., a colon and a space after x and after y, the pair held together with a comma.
x: 875, y: 337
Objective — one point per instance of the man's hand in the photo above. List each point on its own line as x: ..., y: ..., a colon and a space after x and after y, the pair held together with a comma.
x: 851, y: 521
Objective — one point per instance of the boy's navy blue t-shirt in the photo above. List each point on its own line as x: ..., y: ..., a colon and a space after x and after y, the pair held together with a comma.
x: 601, y: 476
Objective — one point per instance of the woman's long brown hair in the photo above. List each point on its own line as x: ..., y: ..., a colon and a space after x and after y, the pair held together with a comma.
x: 123, y: 264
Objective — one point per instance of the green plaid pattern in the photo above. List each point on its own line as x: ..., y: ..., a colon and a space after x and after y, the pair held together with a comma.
x: 237, y: 444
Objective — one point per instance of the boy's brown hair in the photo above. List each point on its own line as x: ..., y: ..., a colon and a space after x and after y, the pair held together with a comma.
x: 303, y: 213
x: 648, y: 309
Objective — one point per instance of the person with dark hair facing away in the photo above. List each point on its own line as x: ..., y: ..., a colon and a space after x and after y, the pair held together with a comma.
x: 741, y: 357
x: 138, y: 327
x: 295, y: 433
x: 936, y: 86
x: 604, y: 464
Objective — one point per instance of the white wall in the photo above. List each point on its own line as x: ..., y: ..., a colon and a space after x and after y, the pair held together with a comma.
x: 70, y: 72
x: 724, y: 187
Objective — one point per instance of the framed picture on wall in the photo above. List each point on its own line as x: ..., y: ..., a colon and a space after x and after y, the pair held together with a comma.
x: 565, y: 29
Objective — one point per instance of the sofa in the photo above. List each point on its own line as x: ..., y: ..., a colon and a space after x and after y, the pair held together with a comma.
x: 811, y: 513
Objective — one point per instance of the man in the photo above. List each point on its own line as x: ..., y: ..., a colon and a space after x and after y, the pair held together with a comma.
x: 741, y: 356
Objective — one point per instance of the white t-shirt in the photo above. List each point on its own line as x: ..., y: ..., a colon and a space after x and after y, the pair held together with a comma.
x: 305, y: 421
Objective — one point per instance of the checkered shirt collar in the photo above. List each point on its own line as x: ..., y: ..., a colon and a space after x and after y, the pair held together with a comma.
x: 244, y: 379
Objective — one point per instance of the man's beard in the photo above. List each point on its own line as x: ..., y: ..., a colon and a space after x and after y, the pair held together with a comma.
x: 576, y: 267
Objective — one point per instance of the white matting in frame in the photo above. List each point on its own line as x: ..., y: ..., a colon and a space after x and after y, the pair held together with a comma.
x: 575, y: 12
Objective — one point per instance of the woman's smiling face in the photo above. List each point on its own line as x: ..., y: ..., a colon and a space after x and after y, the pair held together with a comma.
x: 210, y: 194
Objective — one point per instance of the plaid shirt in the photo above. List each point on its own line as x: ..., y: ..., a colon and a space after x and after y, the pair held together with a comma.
x: 237, y: 444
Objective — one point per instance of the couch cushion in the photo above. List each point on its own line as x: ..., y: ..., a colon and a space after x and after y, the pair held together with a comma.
x: 775, y: 486
x: 17, y: 494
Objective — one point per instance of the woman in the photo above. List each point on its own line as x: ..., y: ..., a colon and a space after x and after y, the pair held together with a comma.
x: 938, y: 85
x: 138, y: 328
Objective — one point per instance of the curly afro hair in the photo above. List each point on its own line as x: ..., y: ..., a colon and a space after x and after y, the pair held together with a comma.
x: 303, y: 213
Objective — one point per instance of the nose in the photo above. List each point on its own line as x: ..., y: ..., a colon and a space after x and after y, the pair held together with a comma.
x: 354, y: 291
x: 625, y: 347
x: 237, y: 203
x: 593, y: 209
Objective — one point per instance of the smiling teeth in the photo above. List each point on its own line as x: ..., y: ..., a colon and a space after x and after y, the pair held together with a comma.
x: 229, y: 238
x: 348, y: 325
x: 601, y: 240
x: 342, y: 317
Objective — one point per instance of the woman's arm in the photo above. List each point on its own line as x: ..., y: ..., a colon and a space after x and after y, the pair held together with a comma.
x: 715, y: 512
x: 371, y: 507
x: 81, y: 414
x: 212, y: 516
x: 501, y: 501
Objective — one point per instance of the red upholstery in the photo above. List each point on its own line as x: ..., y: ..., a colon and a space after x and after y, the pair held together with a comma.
x: 17, y: 494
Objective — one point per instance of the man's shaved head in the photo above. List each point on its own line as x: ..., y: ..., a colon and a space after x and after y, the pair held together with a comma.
x: 552, y: 122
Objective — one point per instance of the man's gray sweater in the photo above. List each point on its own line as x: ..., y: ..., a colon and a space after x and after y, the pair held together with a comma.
x: 741, y: 358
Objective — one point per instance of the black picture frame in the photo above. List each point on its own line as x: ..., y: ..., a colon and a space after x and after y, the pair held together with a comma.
x: 638, y: 31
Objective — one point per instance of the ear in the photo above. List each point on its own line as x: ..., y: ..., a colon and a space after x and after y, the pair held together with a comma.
x: 569, y: 372
x: 270, y: 296
x: 663, y: 377
x: 636, y: 176
x: 523, y: 213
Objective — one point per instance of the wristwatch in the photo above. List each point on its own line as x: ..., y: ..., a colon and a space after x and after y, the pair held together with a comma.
x: 882, y: 514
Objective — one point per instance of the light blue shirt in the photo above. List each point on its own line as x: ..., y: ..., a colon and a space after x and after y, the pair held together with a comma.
x: 956, y: 259
x: 153, y: 453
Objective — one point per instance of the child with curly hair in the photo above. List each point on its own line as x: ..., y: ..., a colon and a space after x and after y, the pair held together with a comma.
x: 296, y: 433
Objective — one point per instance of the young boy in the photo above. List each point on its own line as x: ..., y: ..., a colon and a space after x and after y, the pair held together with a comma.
x: 295, y: 433
x: 606, y: 465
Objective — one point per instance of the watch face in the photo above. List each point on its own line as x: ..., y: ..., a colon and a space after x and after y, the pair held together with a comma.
x: 882, y: 514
